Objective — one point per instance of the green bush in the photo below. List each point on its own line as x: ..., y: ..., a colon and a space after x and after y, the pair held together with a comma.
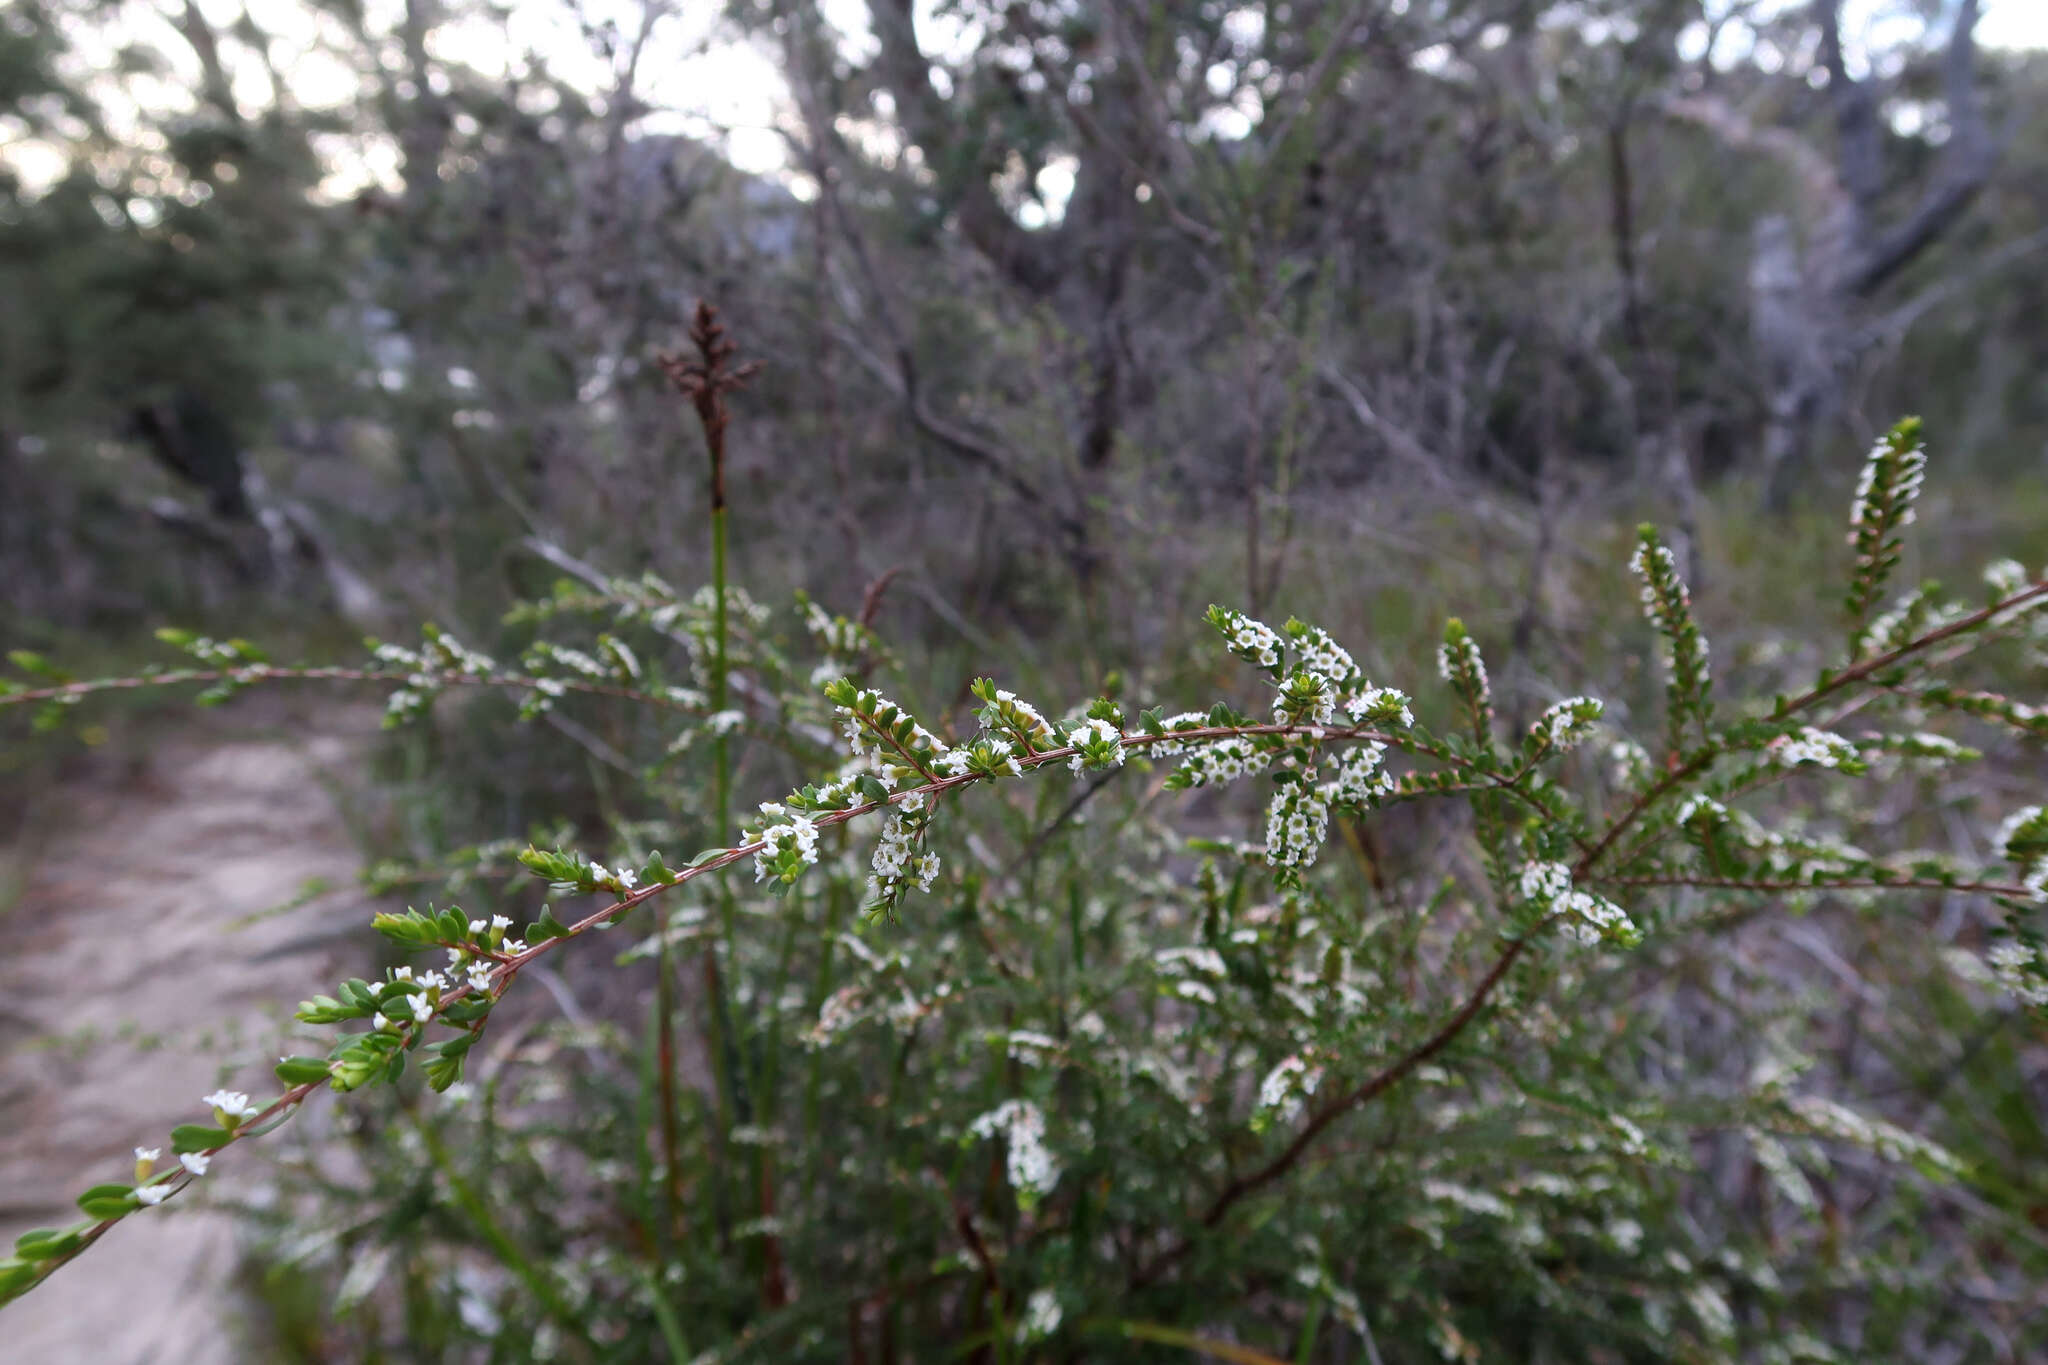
x: 1002, y: 1040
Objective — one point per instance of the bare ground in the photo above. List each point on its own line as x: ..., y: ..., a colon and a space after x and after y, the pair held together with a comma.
x: 161, y: 938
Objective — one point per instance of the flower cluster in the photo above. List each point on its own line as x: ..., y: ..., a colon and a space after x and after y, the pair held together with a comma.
x: 984, y: 757
x: 1885, y: 492
x: 883, y: 733
x: 1297, y: 821
x: 1822, y: 748
x: 1321, y: 655
x: 1380, y: 706
x: 1097, y: 744
x: 1567, y: 724
x: 786, y: 848
x: 1547, y: 888
x: 1359, y: 780
x: 897, y: 858
x: 2022, y: 840
x: 1682, y: 650
x: 1224, y: 760
x: 1005, y: 713
x: 1284, y: 1090
x: 2019, y: 968
x: 1828, y: 1118
x: 1458, y: 663
x: 1255, y: 642
x: 1032, y: 1169
x: 1306, y: 698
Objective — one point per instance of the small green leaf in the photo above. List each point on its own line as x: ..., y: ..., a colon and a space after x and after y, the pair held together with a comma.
x: 302, y: 1070
x: 196, y: 1137
x: 107, y: 1201
x: 41, y: 1244
x: 546, y: 927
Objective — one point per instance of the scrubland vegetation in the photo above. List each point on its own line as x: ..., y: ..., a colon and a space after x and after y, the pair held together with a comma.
x: 1278, y: 682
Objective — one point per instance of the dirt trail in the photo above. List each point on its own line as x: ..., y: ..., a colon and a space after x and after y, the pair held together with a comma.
x: 149, y: 960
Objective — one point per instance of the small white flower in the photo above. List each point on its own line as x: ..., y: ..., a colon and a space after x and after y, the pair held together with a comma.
x: 152, y: 1195
x: 1822, y: 748
x: 1041, y: 1314
x: 515, y: 946
x: 195, y: 1162
x: 500, y: 922
x: 148, y: 1153
x: 233, y: 1103
x: 401, y: 973
x: 422, y: 1009
x: 477, y: 927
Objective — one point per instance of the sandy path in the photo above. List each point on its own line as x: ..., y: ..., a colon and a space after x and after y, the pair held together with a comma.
x: 140, y: 971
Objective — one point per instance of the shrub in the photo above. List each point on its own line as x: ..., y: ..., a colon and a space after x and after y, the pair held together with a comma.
x: 991, y: 1068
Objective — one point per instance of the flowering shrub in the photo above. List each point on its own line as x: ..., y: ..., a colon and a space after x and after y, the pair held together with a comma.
x: 1126, y: 1087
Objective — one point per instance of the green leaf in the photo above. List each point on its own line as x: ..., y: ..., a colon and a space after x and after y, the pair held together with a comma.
x: 302, y: 1070
x: 546, y: 927
x: 108, y: 1201
x: 15, y: 1277
x: 197, y: 1137
x: 41, y: 1244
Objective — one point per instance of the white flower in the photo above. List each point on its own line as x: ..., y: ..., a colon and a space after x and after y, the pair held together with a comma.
x: 478, y: 926
x: 1029, y: 1046
x: 148, y: 1153
x: 514, y: 946
x: 1823, y: 748
x: 195, y: 1162
x: 1569, y: 722
x: 626, y: 878
x: 422, y: 1009
x: 2006, y: 576
x: 1285, y: 1087
x: 799, y: 835
x: 1041, y: 1314
x: 1380, y: 699
x: 233, y: 1103
x: 152, y: 1195
x: 1099, y: 736
x: 401, y: 973
x: 725, y: 722
x: 1031, y: 1166
x: 1462, y: 1197
x: 1204, y: 960
x: 1196, y: 991
x: 500, y: 922
x: 1359, y: 781
x: 382, y: 1024
x: 479, y: 976
x: 1224, y: 760
x: 2009, y: 829
x: 1297, y: 821
x: 1912, y: 472
x: 1452, y: 657
x: 2017, y: 967
x: 1585, y: 917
